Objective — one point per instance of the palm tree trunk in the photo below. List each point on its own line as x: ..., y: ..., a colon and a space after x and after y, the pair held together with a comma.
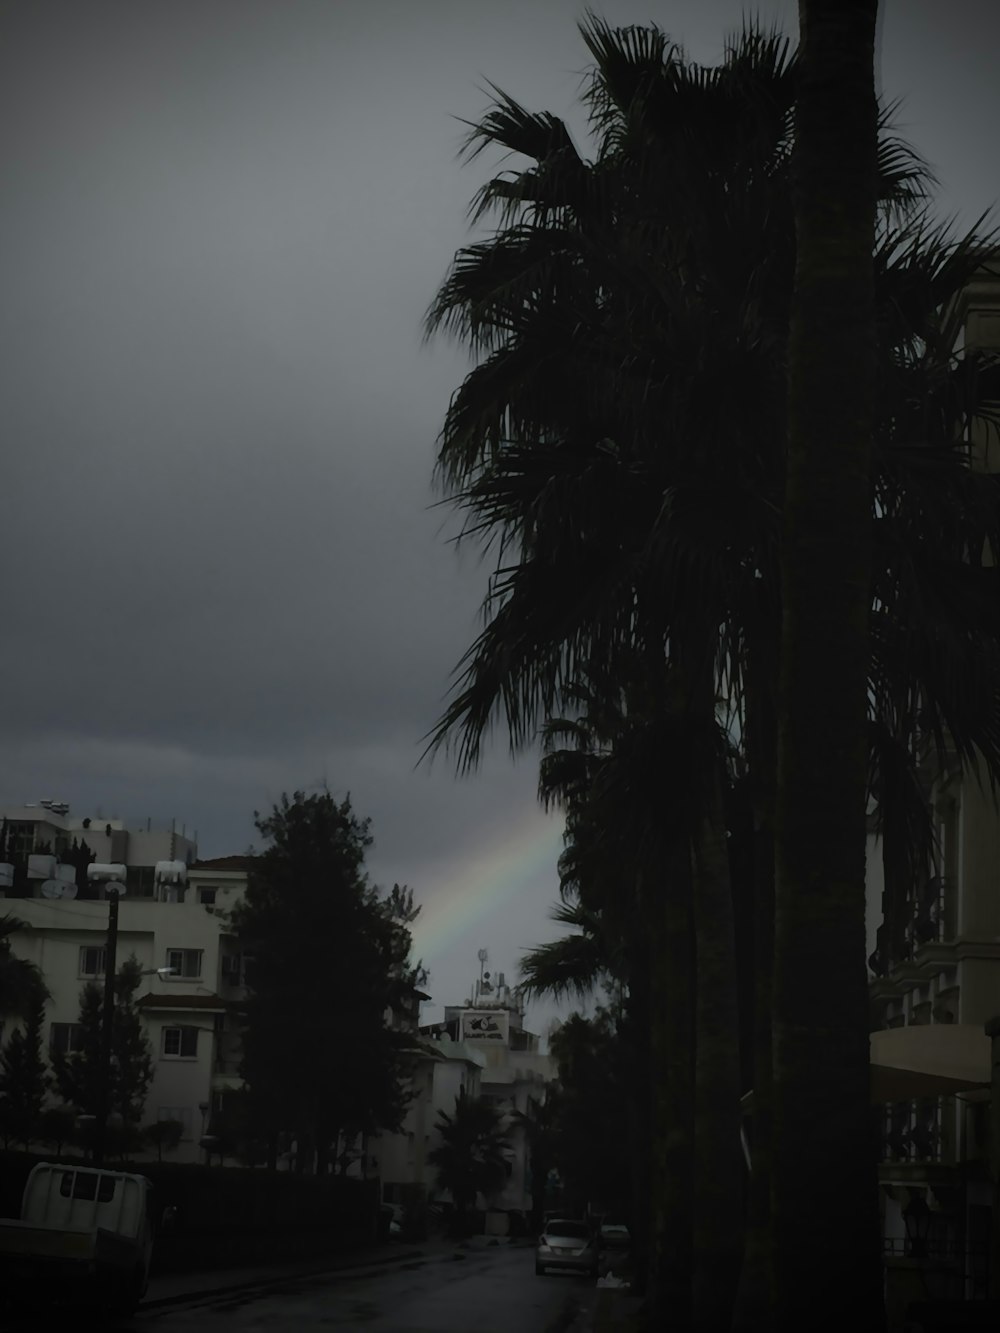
x: 824, y: 1203
x: 719, y: 1169
x: 672, y: 1026
x: 637, y: 1034
x: 754, y: 1307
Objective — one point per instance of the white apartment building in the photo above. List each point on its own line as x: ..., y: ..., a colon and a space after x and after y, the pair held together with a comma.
x: 514, y: 1071
x: 49, y: 826
x: 178, y: 927
x: 444, y: 1069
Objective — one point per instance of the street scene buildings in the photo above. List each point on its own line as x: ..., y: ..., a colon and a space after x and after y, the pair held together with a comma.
x: 176, y: 927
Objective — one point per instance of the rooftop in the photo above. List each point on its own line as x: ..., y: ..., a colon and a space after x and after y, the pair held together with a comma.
x: 225, y: 863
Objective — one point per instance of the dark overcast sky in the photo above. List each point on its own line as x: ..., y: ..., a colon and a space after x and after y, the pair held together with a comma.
x: 221, y: 223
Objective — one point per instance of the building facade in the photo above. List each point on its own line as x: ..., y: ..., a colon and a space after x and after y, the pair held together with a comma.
x: 935, y: 960
x: 192, y: 981
x: 480, y: 1049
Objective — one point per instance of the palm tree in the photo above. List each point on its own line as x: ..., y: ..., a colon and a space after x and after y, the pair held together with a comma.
x: 627, y: 765
x: 635, y: 507
x: 821, y: 1074
x: 471, y: 1157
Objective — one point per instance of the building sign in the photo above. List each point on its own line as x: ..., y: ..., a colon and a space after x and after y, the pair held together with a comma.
x: 485, y: 1025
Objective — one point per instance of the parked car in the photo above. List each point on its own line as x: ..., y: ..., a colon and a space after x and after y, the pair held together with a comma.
x: 567, y: 1245
x: 614, y: 1236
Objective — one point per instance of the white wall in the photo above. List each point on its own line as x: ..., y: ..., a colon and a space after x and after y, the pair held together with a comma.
x: 56, y: 931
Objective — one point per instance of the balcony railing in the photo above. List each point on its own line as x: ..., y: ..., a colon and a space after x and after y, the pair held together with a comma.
x: 919, y: 1131
x: 950, y: 1270
x: 926, y: 917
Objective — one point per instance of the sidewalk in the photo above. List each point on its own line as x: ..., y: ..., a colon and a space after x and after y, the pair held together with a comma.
x: 174, y: 1288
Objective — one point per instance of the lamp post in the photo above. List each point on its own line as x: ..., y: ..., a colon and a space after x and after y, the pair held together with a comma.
x: 112, y: 876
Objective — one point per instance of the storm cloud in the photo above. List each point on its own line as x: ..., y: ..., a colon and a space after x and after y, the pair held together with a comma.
x: 225, y: 574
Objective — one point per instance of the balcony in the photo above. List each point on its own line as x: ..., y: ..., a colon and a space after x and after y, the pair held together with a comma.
x: 914, y: 1131
x: 925, y: 919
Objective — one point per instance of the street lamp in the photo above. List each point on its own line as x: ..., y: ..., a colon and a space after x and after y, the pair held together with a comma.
x: 112, y: 876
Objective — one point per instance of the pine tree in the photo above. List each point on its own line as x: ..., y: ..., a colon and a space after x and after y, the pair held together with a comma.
x: 323, y: 942
x: 78, y: 1075
x: 131, y: 1053
x: 24, y: 1079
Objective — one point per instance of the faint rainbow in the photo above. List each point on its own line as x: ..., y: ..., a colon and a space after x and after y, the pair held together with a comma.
x: 490, y: 877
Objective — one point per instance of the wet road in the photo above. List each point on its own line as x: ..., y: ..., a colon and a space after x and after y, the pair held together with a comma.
x: 491, y: 1291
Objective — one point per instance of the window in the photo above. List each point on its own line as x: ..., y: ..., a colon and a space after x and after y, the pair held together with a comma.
x: 185, y: 962
x: 180, y: 1043
x: 231, y: 965
x: 92, y: 960
x: 207, y: 896
x: 65, y: 1038
x: 85, y: 1187
x: 139, y: 881
x: 20, y: 839
x: 182, y: 1114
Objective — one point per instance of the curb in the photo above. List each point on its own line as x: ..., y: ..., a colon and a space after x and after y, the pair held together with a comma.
x: 262, y: 1282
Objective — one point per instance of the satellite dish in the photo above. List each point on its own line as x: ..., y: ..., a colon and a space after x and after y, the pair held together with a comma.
x: 58, y: 888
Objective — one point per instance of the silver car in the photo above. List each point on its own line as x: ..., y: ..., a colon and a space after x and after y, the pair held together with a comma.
x: 566, y: 1245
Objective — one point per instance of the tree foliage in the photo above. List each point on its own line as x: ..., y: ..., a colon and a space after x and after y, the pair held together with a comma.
x: 24, y: 1078
x: 21, y: 982
x: 471, y: 1155
x: 329, y: 961
x: 78, y: 1074
x: 163, y: 1136
x: 620, y: 446
x: 591, y: 1131
x: 131, y: 1052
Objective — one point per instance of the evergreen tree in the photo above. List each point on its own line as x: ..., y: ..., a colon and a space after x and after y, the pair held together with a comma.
x: 21, y: 982
x: 57, y: 1127
x: 330, y: 957
x: 78, y: 1074
x: 24, y: 1079
x: 131, y: 1053
x: 79, y: 856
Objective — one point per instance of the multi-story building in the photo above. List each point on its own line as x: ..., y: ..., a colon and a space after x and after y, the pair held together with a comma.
x: 481, y: 1049
x: 935, y: 960
x: 442, y: 1071
x: 179, y: 935
x: 515, y: 1072
x: 48, y: 828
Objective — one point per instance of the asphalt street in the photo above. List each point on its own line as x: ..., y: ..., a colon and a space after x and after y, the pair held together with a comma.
x: 485, y: 1291
x: 489, y: 1291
